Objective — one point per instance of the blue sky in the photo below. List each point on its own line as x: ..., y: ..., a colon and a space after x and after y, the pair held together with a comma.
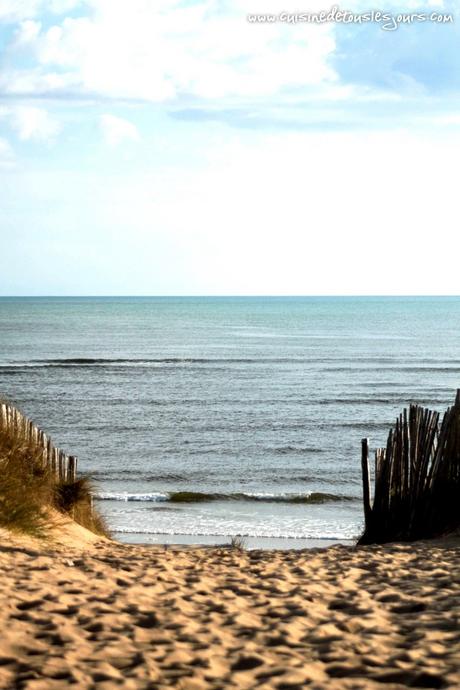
x: 165, y: 147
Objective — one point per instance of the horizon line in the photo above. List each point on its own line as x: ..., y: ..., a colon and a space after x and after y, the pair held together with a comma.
x: 226, y: 296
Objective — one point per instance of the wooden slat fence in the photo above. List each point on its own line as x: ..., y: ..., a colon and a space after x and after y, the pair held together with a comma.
x: 62, y: 466
x: 416, y: 478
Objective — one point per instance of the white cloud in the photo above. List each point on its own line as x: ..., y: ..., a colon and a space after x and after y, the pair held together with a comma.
x: 158, y: 50
x: 7, y: 158
x: 166, y: 50
x: 36, y: 82
x: 5, y: 148
x: 33, y: 123
x: 27, y: 32
x: 16, y: 10
x: 116, y: 130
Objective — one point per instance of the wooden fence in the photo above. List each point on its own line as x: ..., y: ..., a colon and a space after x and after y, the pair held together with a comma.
x: 63, y: 467
x: 416, y: 479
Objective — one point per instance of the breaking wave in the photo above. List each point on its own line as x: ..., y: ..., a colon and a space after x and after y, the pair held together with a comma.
x: 313, y: 497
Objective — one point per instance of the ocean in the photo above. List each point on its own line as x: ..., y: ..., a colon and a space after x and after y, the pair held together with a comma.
x: 203, y: 418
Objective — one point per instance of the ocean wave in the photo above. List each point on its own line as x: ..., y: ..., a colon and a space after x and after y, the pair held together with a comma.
x: 296, y: 450
x: 329, y: 364
x: 313, y: 497
x: 403, y: 369
x: 378, y: 426
x: 109, y: 361
x: 115, y: 473
x: 188, y: 476
x: 253, y: 533
x: 390, y: 400
x: 144, y: 360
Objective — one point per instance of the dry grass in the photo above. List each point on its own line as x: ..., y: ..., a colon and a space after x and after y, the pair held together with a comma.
x: 28, y: 490
x: 238, y: 542
x: 25, y: 488
x: 75, y: 499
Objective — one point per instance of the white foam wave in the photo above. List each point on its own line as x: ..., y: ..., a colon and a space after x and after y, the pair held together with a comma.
x: 124, y: 496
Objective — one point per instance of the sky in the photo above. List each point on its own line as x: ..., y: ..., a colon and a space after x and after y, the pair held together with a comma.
x: 160, y: 147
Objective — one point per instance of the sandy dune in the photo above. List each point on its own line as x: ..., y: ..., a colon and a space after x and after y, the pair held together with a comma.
x: 113, y: 616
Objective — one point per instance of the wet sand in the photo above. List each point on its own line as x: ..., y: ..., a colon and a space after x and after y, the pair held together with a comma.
x: 108, y: 615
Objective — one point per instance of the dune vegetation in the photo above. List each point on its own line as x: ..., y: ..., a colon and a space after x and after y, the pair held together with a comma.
x: 30, y: 494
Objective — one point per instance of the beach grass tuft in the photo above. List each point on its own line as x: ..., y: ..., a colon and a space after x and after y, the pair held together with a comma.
x: 75, y: 498
x: 238, y: 542
x: 29, y: 492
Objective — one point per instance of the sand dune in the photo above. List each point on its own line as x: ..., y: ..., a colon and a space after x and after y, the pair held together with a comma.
x: 113, y: 616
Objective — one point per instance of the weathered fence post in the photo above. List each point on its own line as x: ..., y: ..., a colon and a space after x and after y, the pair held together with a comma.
x: 417, y: 482
x: 366, y: 481
x: 3, y: 415
x: 72, y: 468
x: 61, y: 466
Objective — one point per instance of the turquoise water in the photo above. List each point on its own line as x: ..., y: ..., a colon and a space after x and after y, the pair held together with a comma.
x: 254, y: 406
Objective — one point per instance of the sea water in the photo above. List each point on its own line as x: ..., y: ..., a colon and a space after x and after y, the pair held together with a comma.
x: 203, y: 418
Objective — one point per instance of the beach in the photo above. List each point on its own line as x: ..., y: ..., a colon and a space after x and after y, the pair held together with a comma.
x: 253, y: 428
x: 93, y: 613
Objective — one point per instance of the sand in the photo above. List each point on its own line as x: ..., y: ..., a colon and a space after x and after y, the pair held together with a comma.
x: 105, y: 615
